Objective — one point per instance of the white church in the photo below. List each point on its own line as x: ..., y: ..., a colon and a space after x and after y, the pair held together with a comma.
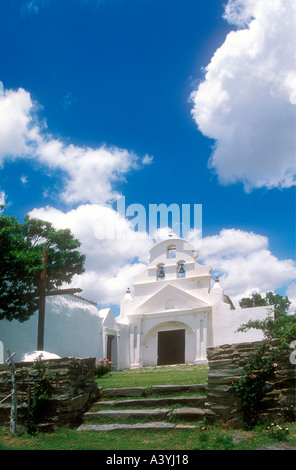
x: 171, y: 314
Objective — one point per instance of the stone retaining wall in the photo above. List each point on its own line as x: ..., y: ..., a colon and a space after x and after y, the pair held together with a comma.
x: 226, y: 364
x: 73, y: 390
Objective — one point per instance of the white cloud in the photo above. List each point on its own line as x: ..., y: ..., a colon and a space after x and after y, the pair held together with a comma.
x: 244, y: 263
x: 16, y: 124
x: 24, y: 179
x: 89, y: 174
x: 2, y: 198
x: 147, y: 160
x: 246, y: 102
x: 239, y: 12
x: 110, y: 263
x: 291, y: 294
x: 108, y: 290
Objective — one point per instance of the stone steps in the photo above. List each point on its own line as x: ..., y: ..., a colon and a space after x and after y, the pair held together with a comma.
x: 144, y: 412
x: 116, y: 426
x: 155, y: 389
x: 156, y: 417
x: 156, y: 414
x: 153, y: 402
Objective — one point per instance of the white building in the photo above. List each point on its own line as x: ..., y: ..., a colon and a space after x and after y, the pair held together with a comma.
x: 172, y: 315
x: 73, y: 327
x: 175, y: 313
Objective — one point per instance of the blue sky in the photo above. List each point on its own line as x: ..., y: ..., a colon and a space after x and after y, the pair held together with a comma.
x: 162, y: 101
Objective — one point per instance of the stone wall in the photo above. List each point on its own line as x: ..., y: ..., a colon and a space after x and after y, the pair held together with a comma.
x: 226, y: 364
x: 73, y: 390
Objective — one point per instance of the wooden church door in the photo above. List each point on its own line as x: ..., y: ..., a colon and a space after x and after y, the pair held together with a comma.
x: 171, y: 347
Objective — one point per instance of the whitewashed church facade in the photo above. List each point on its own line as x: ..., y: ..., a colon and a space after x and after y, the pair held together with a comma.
x: 170, y: 316
x: 175, y: 313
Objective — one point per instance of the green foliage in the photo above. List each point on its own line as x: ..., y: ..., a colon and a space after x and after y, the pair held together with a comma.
x: 281, y: 304
x: 255, y: 301
x: 282, y: 326
x: 21, y: 263
x: 224, y: 442
x: 251, y: 387
x: 278, y: 431
x: 40, y: 395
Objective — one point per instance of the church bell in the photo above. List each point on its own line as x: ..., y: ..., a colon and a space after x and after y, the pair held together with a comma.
x: 181, y: 269
x: 161, y: 273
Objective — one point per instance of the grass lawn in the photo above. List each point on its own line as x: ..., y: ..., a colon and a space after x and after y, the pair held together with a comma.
x: 214, y: 437
x: 148, y: 376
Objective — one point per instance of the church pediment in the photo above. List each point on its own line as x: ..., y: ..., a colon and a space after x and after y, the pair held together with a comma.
x: 170, y: 298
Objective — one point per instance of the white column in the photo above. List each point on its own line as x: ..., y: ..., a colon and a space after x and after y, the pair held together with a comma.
x: 132, y: 350
x: 138, y: 347
x: 104, y: 340
x: 203, y: 337
x: 117, y: 338
x: 197, y: 339
x: 200, y: 338
x: 135, y: 345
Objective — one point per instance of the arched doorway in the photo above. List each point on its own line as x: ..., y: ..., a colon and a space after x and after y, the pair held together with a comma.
x: 170, y: 342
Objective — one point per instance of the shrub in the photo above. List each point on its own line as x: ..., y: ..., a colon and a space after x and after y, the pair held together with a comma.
x: 103, y: 367
x: 279, y: 432
x: 251, y: 387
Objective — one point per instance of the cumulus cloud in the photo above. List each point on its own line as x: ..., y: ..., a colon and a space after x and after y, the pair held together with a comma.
x: 245, y: 263
x: 114, y: 251
x: 17, y: 128
x: 111, y: 262
x: 246, y: 102
x: 89, y: 174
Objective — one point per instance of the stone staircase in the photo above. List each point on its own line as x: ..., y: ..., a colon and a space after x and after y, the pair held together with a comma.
x: 143, y: 408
